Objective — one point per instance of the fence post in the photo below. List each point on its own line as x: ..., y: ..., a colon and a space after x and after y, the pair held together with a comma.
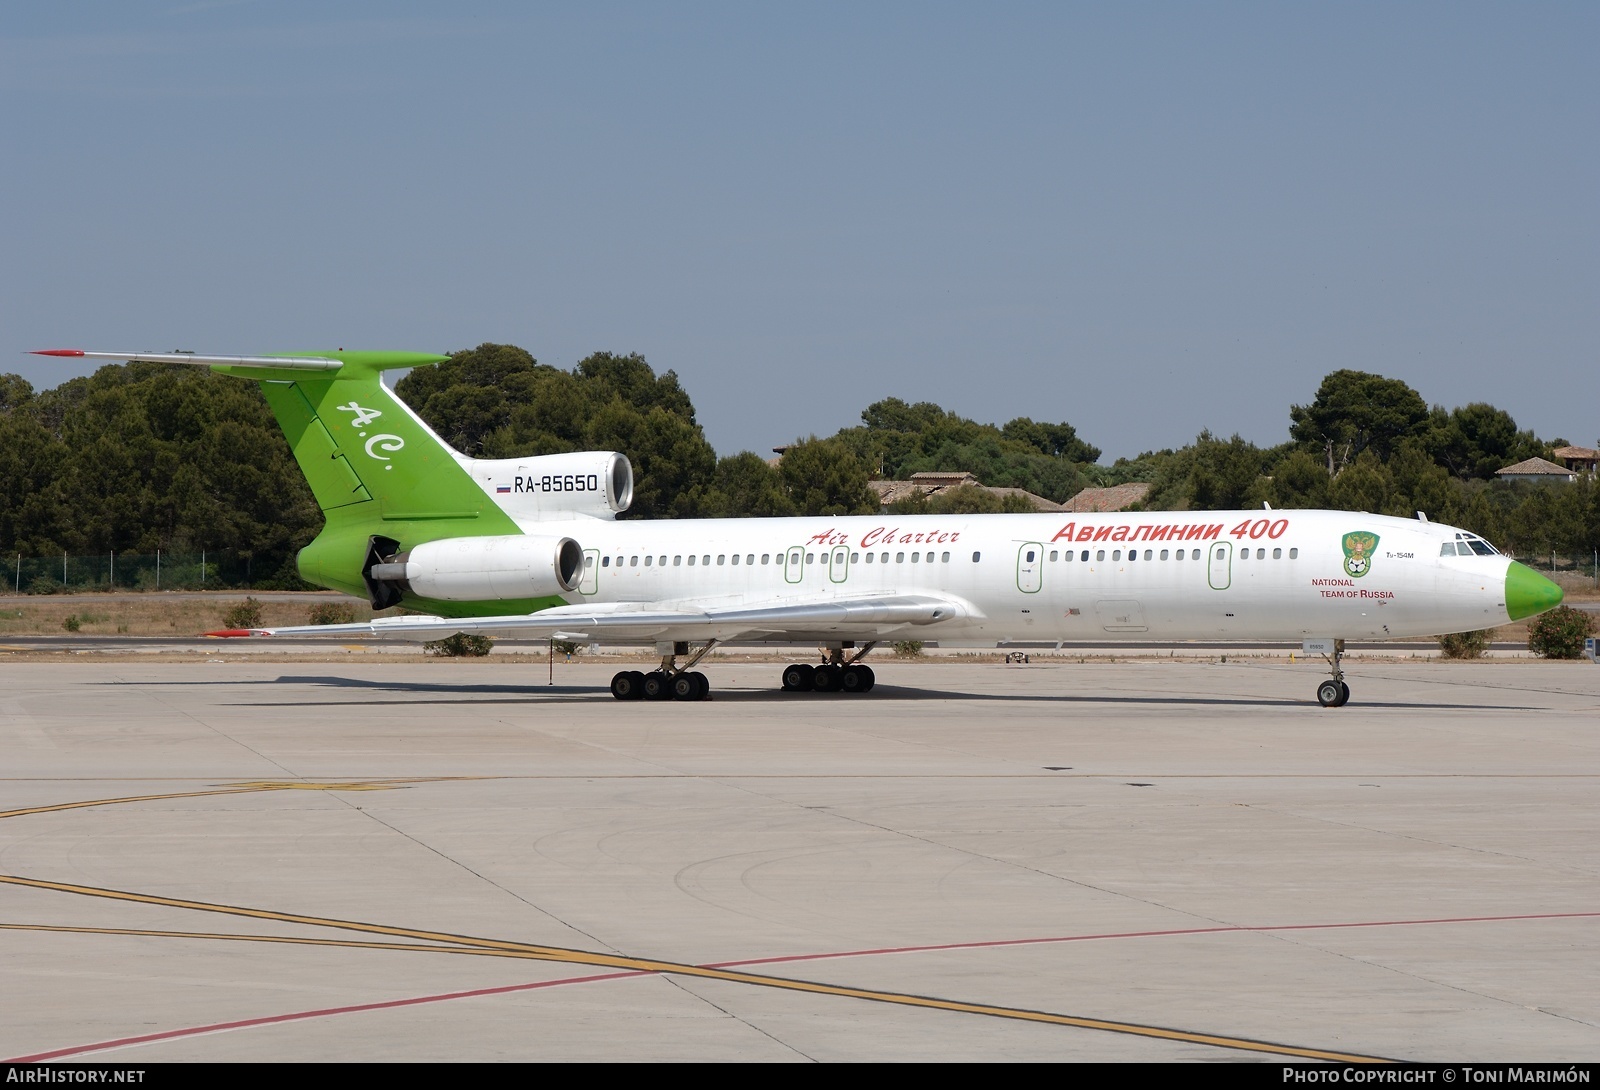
x: 111, y: 580
x: 158, y: 569
x: 63, y: 569
x: 19, y: 573
x: 202, y: 567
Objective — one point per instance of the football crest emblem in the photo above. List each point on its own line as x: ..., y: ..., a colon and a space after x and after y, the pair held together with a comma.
x: 1358, y: 550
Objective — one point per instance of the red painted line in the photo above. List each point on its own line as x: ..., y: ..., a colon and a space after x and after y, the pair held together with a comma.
x: 73, y: 352
x: 297, y: 1016
x: 1147, y: 935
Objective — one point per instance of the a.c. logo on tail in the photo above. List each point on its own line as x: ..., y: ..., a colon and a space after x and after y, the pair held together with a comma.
x: 1358, y: 550
x: 384, y: 441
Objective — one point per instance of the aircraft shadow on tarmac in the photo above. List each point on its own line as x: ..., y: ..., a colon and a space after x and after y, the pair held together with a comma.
x: 467, y: 694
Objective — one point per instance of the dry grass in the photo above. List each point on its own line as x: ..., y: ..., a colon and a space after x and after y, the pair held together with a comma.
x: 151, y: 614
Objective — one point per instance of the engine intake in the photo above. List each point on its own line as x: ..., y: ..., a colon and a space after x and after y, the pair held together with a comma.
x: 478, y: 569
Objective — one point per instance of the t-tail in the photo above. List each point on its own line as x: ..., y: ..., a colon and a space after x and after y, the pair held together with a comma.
x: 384, y: 481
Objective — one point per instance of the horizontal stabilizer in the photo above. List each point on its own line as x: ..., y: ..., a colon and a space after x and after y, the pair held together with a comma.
x: 285, y: 363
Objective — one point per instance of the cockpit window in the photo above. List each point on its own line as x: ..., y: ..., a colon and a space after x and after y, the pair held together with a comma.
x: 1481, y: 547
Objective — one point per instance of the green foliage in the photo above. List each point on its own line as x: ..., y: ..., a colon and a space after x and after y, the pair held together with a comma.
x: 746, y: 486
x: 564, y: 647
x: 329, y: 613
x: 1478, y: 440
x: 1465, y: 645
x: 245, y: 614
x: 72, y: 623
x: 1224, y: 475
x: 897, y: 439
x: 150, y: 456
x: 460, y: 645
x: 1559, y: 634
x: 1354, y: 412
x: 824, y: 477
x: 497, y: 401
x: 962, y: 500
x: 908, y: 649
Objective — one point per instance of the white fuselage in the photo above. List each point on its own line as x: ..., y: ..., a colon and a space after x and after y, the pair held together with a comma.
x: 1277, y: 575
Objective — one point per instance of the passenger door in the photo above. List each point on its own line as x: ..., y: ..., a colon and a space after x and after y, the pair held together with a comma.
x: 1030, y: 567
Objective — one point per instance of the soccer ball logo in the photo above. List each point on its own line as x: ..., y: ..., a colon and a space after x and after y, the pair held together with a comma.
x: 1358, y: 550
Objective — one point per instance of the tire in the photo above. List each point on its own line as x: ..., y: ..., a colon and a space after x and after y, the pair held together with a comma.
x: 797, y: 678
x: 1344, y: 695
x: 704, y: 683
x: 855, y: 679
x: 1329, y: 694
x: 827, y: 679
x: 657, y: 686
x: 685, y: 687
x: 872, y: 679
x: 627, y: 685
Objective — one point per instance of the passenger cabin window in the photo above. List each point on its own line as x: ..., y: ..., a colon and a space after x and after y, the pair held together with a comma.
x: 1052, y: 555
x: 1099, y: 554
x: 899, y: 558
x: 605, y: 562
x: 945, y: 559
x: 764, y: 557
x: 647, y: 560
x: 1116, y: 554
x: 975, y: 557
x: 1085, y: 556
x: 1277, y: 554
x: 691, y: 561
x: 751, y: 559
x: 1294, y: 554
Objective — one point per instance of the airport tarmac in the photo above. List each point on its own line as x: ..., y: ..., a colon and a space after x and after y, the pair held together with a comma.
x: 361, y: 860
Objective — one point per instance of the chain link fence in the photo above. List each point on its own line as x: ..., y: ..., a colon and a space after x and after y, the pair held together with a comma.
x: 65, y: 574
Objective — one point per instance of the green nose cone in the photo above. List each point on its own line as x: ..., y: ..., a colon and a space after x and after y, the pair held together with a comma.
x: 1529, y: 593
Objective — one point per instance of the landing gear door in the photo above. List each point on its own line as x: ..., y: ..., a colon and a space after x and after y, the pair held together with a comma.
x: 1220, y: 569
x: 1030, y: 567
x: 590, y: 583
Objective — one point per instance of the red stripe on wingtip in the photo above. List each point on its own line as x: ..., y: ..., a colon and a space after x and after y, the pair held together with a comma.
x: 237, y: 632
x: 59, y: 352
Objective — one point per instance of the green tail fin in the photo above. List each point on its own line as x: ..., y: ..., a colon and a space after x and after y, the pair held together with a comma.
x: 375, y: 468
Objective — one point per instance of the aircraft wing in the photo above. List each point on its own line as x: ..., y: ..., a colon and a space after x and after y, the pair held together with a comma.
x: 630, y: 622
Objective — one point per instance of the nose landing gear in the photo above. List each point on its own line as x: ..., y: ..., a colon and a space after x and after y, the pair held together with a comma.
x: 1333, y: 693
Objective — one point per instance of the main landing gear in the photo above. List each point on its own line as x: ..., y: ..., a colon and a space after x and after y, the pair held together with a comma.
x: 1333, y: 693
x: 834, y: 676
x: 670, y: 681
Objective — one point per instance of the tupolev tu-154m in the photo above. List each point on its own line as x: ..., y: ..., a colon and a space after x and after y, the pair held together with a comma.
x: 532, y: 547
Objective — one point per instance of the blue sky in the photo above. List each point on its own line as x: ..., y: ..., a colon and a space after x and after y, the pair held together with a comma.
x: 1144, y: 219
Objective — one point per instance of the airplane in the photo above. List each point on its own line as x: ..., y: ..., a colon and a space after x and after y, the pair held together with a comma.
x: 532, y: 547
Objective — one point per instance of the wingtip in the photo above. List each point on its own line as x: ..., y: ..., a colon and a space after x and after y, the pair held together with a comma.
x: 229, y: 633
x: 73, y: 352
